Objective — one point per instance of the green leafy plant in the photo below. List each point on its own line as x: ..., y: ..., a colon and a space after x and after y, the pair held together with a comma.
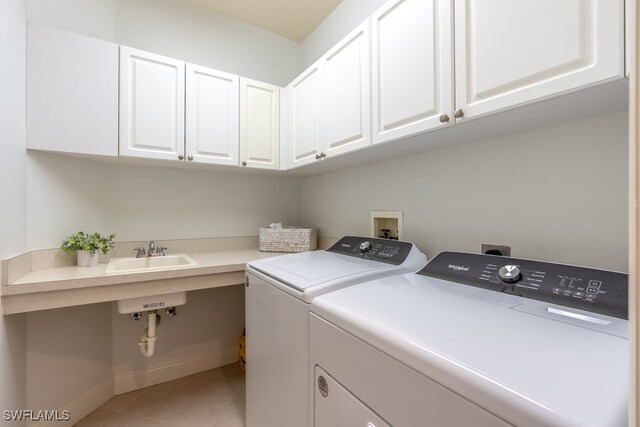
x: 88, y: 242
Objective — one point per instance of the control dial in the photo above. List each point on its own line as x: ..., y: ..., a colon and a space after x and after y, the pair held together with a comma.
x: 365, y: 246
x: 510, y: 273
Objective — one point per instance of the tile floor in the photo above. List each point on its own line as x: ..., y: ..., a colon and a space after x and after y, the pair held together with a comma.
x: 213, y: 398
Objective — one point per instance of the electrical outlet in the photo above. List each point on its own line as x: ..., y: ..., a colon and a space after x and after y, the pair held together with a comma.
x: 501, y: 250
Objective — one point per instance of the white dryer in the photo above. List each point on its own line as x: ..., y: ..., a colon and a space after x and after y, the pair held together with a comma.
x: 277, y: 299
x: 473, y: 340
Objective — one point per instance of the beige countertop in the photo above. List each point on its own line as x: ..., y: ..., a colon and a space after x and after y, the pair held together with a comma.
x: 67, y: 285
x: 72, y: 277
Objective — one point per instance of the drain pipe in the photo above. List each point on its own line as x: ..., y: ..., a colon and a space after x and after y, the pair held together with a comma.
x: 148, y: 339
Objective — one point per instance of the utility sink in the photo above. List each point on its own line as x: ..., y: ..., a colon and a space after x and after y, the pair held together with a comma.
x: 155, y: 263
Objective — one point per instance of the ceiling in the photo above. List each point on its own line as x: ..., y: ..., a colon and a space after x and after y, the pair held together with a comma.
x: 293, y: 19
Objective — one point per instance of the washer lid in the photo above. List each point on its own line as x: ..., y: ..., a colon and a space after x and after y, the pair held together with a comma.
x: 306, y: 269
x: 528, y: 366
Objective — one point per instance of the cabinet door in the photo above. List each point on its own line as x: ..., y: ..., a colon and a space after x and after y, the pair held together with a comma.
x: 151, y: 105
x: 259, y: 124
x: 346, y: 88
x: 514, y: 52
x: 212, y: 111
x: 305, y: 117
x: 72, y: 93
x: 412, y: 67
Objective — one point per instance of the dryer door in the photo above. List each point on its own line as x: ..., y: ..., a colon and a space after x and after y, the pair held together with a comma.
x: 334, y: 406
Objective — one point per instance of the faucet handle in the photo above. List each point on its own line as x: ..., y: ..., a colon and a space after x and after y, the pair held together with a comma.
x: 139, y: 252
x: 161, y: 249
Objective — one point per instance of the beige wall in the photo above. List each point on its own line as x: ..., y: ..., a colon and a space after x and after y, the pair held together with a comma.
x: 556, y: 194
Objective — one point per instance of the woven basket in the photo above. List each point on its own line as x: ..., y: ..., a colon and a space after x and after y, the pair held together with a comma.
x: 288, y: 239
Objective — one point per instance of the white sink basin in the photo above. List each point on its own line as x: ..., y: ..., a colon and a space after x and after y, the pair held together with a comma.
x: 131, y: 265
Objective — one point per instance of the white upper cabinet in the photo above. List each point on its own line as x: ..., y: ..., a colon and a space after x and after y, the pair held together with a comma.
x: 259, y: 124
x: 346, y: 105
x: 412, y: 67
x: 513, y: 52
x: 305, y: 117
x: 152, y: 98
x: 72, y: 93
x: 212, y: 112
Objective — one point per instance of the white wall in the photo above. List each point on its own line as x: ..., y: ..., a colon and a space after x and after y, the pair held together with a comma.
x: 338, y: 24
x: 557, y: 194
x: 209, y: 324
x: 12, y: 191
x: 178, y: 29
x: 68, y: 354
x: 156, y: 203
x: 67, y: 194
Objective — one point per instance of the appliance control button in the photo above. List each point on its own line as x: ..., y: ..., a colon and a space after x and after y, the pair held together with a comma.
x: 365, y: 246
x: 509, y: 273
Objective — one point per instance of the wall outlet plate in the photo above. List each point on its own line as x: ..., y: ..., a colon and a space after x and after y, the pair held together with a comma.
x: 386, y: 224
x: 502, y: 250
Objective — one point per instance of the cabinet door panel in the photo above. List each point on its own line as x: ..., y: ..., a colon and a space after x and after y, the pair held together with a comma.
x: 305, y: 99
x: 151, y: 105
x: 412, y: 45
x: 345, y: 94
x: 72, y: 92
x: 509, y: 53
x: 212, y: 116
x: 259, y: 124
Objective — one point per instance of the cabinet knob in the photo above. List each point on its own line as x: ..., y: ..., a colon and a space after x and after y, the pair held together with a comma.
x: 458, y: 113
x: 190, y: 158
x: 244, y: 163
x: 181, y: 157
x: 318, y: 157
x: 444, y: 118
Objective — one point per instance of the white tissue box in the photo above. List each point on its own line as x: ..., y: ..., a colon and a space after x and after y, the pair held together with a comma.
x: 288, y: 239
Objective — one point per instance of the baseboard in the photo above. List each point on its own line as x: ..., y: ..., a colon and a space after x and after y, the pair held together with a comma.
x: 82, y: 406
x: 161, y: 372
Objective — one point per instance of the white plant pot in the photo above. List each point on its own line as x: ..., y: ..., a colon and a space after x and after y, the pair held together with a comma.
x: 85, y: 259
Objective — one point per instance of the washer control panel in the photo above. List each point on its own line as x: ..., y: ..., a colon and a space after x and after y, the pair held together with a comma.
x: 589, y: 289
x: 383, y: 250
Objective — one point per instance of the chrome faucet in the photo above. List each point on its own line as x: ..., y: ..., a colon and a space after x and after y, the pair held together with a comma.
x: 152, y: 251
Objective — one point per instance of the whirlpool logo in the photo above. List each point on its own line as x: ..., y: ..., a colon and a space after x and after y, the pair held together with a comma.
x: 458, y: 267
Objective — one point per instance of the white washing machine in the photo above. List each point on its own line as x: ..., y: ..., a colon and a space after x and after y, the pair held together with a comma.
x: 277, y: 298
x: 473, y: 340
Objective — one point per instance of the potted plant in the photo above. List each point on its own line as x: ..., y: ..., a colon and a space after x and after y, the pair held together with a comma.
x: 87, y: 247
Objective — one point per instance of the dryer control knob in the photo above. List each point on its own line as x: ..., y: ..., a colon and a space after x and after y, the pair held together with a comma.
x: 365, y: 246
x: 510, y: 273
